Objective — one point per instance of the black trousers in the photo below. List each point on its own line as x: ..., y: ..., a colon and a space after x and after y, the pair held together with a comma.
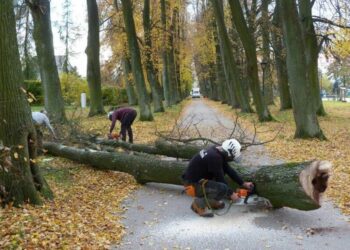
x: 126, y: 122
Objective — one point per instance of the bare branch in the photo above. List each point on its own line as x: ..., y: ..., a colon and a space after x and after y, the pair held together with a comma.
x: 330, y: 22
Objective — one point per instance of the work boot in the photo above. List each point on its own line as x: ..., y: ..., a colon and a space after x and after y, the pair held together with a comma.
x: 200, y: 211
x: 216, y: 204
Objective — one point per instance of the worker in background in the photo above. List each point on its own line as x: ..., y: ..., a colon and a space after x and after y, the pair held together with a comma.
x: 204, y: 177
x: 126, y: 116
x: 40, y: 119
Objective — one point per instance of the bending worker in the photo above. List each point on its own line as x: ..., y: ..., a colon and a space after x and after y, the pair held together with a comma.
x: 126, y: 116
x: 205, y: 173
x: 40, y: 119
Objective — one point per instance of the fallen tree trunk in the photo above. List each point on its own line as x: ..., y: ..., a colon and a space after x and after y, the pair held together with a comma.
x: 162, y: 147
x: 295, y: 185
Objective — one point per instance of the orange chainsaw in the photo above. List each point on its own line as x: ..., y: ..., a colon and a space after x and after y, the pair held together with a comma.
x: 113, y: 136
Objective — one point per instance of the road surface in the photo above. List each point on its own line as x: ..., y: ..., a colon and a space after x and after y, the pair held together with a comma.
x: 158, y: 216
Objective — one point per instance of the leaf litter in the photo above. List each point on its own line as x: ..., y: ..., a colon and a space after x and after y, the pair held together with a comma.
x: 87, y: 210
x: 336, y: 127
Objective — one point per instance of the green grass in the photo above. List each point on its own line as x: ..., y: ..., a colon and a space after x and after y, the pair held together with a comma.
x: 57, y: 174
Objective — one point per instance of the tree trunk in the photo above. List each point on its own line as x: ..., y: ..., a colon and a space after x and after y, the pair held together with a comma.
x: 219, y: 70
x: 129, y: 83
x: 311, y: 51
x: 54, y: 103
x: 172, y: 58
x: 304, y: 114
x: 152, y: 72
x: 136, y: 66
x: 20, y: 179
x: 161, y: 147
x: 93, y: 60
x: 165, y: 56
x: 303, y: 183
x: 265, y: 33
x: 280, y: 61
x: 252, y: 64
x: 228, y: 60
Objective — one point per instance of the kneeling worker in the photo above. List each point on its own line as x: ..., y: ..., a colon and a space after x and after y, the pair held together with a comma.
x: 205, y: 173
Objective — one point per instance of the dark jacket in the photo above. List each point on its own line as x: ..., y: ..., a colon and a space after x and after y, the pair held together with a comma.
x: 210, y: 164
x: 120, y: 114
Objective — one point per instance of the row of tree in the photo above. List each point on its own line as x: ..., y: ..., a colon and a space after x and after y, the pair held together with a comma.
x: 140, y: 56
x: 148, y: 38
x: 20, y: 178
x: 239, y: 34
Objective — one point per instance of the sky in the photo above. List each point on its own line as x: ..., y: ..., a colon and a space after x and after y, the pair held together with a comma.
x: 79, y: 18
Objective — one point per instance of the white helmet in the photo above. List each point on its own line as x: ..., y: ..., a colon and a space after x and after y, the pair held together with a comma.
x: 109, y: 115
x: 232, y: 148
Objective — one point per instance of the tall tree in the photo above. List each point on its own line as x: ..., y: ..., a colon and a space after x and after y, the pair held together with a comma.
x: 304, y: 113
x: 165, y: 55
x: 252, y: 66
x: 267, y: 70
x: 144, y: 103
x: 53, y: 99
x: 152, y: 71
x: 228, y: 59
x: 219, y: 71
x: 93, y: 60
x: 69, y: 33
x: 280, y: 60
x: 20, y: 178
x: 129, y: 84
x: 311, y: 53
x: 172, y: 59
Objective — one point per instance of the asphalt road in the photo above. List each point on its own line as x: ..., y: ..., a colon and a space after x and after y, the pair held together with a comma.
x: 158, y: 216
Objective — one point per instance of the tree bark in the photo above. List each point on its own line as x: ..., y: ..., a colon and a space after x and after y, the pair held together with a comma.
x: 53, y: 99
x: 265, y: 33
x: 20, y: 179
x: 93, y: 60
x: 311, y: 52
x: 280, y: 61
x: 136, y: 66
x: 129, y: 83
x: 161, y: 147
x: 165, y: 56
x: 152, y: 72
x: 252, y: 64
x: 172, y: 59
x: 228, y: 60
x: 295, y: 185
x: 219, y: 70
x: 304, y: 113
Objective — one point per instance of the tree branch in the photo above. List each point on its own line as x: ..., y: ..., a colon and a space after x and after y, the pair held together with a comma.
x: 327, y: 21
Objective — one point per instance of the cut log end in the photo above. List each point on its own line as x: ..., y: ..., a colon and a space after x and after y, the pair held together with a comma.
x: 314, y: 179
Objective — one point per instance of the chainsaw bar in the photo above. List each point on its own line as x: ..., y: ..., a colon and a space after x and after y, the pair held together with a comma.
x: 253, y: 200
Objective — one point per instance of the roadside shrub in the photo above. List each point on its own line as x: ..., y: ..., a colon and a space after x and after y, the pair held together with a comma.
x: 72, y: 86
x: 34, y: 87
x: 114, y: 96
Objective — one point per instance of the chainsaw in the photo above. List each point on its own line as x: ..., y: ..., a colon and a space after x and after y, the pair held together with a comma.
x: 113, y: 136
x: 250, y: 197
